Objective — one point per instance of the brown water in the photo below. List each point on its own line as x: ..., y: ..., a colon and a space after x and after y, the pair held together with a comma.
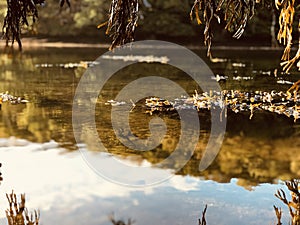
x: 40, y: 157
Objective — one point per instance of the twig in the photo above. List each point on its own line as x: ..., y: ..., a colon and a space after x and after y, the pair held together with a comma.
x: 203, y: 220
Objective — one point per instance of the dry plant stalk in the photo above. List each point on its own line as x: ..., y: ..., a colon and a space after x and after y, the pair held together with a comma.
x: 293, y: 204
x: 278, y: 213
x: 202, y: 221
x: 120, y: 222
x: 1, y: 178
x: 17, y: 213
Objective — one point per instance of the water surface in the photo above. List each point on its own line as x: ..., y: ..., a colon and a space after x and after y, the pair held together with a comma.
x: 40, y: 156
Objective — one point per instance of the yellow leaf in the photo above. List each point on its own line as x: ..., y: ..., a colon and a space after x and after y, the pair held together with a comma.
x: 102, y: 25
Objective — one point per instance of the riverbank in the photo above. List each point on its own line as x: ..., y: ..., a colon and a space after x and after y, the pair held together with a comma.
x: 30, y: 42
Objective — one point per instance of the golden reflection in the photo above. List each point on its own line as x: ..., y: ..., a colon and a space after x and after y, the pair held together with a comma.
x: 263, y: 149
x: 250, y: 156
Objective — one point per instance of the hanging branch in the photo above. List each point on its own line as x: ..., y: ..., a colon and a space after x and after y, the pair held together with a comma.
x: 286, y: 19
x: 290, y: 62
x: 209, y: 10
x: 18, y: 14
x: 123, y: 17
x: 235, y: 13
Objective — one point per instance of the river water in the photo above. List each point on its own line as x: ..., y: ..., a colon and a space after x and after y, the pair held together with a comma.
x: 40, y: 156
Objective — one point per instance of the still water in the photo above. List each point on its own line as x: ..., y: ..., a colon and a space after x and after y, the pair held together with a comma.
x: 40, y: 156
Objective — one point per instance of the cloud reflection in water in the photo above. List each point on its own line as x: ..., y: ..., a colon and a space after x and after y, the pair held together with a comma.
x: 67, y: 191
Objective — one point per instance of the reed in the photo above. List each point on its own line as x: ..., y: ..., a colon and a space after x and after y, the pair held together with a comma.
x: 17, y: 213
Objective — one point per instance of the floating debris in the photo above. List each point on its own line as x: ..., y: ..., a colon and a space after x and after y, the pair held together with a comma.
x: 238, y: 64
x: 138, y: 58
x: 6, y: 97
x: 219, y: 78
x: 283, y: 103
x: 234, y: 100
x: 115, y: 103
x: 239, y: 78
x: 70, y: 65
x: 218, y: 60
x: 284, y: 82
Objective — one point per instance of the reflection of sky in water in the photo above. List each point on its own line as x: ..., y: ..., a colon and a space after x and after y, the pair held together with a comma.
x: 67, y: 191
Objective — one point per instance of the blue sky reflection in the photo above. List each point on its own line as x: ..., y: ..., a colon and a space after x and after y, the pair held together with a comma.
x: 67, y: 191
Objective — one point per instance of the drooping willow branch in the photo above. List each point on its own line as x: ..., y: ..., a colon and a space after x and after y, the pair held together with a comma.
x: 235, y: 13
x: 19, y: 13
x: 122, y: 21
x: 286, y: 20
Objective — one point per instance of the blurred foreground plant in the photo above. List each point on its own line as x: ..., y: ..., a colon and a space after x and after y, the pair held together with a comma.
x: 17, y: 213
x: 202, y: 221
x: 293, y: 204
x: 1, y: 178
